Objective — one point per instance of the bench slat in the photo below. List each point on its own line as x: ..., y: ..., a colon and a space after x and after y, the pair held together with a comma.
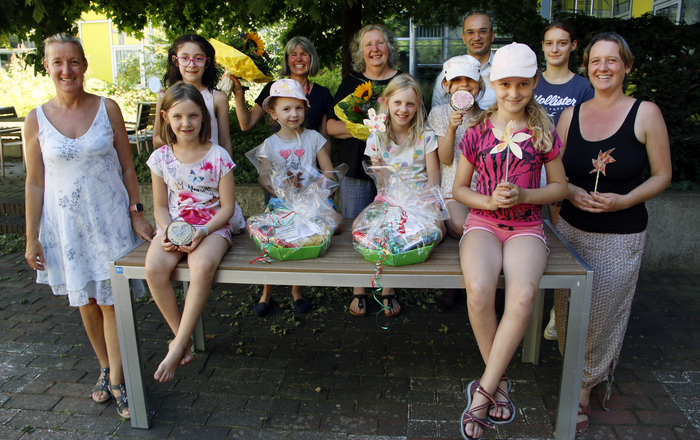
x: 341, y: 256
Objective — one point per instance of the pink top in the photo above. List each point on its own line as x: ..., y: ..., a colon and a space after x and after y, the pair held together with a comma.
x: 476, y: 146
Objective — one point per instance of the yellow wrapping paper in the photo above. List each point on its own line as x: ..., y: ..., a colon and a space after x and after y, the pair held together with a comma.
x: 238, y: 63
x: 358, y: 131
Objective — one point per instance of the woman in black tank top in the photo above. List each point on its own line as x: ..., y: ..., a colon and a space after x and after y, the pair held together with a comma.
x: 608, y: 141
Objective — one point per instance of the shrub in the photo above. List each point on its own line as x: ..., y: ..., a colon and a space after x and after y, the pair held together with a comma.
x: 241, y: 143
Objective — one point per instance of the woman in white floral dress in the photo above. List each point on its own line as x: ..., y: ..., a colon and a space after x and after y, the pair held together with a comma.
x: 83, y: 206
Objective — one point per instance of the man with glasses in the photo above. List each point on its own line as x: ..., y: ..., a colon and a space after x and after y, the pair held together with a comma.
x: 477, y: 36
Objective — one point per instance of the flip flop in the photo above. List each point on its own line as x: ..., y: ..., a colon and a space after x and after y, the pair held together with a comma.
x: 360, y: 304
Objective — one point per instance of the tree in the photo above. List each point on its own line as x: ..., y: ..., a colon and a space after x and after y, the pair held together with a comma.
x: 329, y: 23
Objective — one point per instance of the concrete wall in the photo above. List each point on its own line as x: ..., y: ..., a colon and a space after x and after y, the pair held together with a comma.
x: 673, y: 234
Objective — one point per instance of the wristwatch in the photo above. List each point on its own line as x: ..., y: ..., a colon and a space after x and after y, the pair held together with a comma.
x: 136, y: 208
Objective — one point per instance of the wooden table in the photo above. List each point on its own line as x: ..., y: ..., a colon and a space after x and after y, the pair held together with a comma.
x: 342, y: 266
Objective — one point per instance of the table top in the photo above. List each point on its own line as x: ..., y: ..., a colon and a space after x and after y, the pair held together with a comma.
x: 341, y: 257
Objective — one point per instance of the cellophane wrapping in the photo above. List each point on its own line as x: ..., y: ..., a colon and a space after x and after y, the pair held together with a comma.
x: 400, y: 226
x: 298, y: 224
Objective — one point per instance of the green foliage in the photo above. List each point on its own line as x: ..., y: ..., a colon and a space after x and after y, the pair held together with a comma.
x: 143, y: 172
x: 10, y: 243
x: 329, y: 78
x: 241, y: 143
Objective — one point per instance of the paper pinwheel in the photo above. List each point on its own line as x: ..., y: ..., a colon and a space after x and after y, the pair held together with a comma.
x: 509, y: 141
x: 375, y: 121
x: 599, y: 165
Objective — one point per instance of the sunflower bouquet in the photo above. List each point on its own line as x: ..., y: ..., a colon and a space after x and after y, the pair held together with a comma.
x: 244, y: 56
x: 355, y: 108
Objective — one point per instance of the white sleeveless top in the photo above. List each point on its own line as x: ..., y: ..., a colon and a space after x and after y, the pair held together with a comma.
x: 208, y: 96
x: 85, y: 220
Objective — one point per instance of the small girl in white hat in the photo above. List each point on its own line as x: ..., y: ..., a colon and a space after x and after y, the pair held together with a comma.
x: 506, y: 146
x: 462, y: 73
x: 295, y: 151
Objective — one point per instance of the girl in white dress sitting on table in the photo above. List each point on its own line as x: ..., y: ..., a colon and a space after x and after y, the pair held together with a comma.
x: 192, y: 182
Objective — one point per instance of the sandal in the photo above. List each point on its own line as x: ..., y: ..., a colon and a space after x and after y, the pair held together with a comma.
x: 583, y: 424
x: 468, y: 414
x: 360, y: 304
x: 387, y: 308
x: 102, y: 385
x: 121, y: 400
x: 507, y: 404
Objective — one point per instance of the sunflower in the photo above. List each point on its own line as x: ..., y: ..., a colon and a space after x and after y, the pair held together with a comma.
x: 364, y: 91
x: 259, y: 46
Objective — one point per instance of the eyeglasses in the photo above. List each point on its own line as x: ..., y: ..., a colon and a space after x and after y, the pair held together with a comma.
x: 471, y: 33
x: 186, y: 61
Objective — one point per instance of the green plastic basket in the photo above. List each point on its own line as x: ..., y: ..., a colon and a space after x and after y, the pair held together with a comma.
x: 288, y: 254
x: 401, y: 259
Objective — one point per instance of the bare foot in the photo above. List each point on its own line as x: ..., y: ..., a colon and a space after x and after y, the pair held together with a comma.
x: 395, y: 306
x: 475, y: 430
x: 187, y: 357
x: 166, y: 369
x: 500, y: 412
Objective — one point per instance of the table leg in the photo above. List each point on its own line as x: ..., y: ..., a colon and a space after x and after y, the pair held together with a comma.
x: 128, y: 344
x: 572, y: 370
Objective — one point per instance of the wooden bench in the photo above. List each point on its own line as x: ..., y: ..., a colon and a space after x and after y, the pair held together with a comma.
x: 342, y: 266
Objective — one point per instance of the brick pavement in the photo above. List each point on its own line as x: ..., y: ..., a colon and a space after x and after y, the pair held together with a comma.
x: 327, y: 375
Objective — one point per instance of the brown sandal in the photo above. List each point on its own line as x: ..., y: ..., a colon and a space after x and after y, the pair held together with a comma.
x: 468, y: 414
x: 583, y: 424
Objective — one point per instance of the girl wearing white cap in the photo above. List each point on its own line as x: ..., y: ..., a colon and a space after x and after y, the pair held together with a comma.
x: 462, y: 73
x: 506, y: 146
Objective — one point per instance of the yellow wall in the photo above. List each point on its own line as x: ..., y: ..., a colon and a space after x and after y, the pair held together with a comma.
x: 640, y: 7
x: 95, y: 38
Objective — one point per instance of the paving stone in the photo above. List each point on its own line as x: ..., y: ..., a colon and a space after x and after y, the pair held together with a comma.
x: 81, y: 406
x: 62, y: 375
x: 180, y: 416
x: 354, y: 425
x: 7, y: 433
x: 346, y: 409
x: 305, y: 422
x: 224, y: 402
x: 188, y: 432
x: 38, y: 419
x: 49, y: 434
x: 273, y: 405
x: 158, y: 429
x: 90, y: 424
x: 243, y: 419
x: 39, y: 402
x: 13, y: 347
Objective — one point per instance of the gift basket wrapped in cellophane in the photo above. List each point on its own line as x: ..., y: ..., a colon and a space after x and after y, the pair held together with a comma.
x: 300, y: 221
x: 400, y: 226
